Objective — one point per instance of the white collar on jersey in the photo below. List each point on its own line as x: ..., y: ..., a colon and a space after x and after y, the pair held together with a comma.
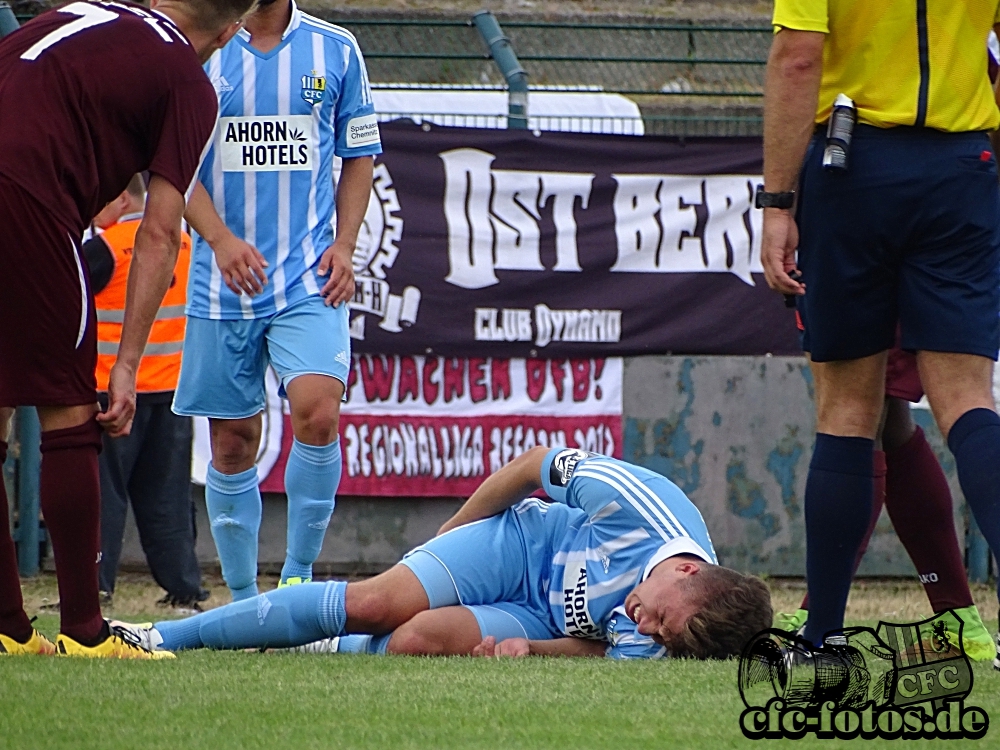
x: 293, y: 23
x: 682, y: 545
x: 129, y: 217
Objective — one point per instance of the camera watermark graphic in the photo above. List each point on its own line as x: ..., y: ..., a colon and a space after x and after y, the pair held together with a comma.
x: 904, y: 681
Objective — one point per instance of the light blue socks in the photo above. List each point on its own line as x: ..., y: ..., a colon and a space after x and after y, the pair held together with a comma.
x: 312, y: 476
x: 364, y: 644
x: 283, y: 618
x: 234, y: 511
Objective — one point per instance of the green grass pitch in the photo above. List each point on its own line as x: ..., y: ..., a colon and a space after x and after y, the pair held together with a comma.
x: 242, y: 700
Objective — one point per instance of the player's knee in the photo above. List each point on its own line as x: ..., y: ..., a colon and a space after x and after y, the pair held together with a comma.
x: 234, y: 447
x: 415, y: 639
x: 371, y: 609
x: 318, y: 423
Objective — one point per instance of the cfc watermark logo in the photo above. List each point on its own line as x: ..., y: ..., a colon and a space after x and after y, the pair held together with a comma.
x: 900, y: 681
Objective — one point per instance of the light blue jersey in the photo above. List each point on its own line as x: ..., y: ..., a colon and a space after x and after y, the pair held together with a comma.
x: 635, y: 520
x: 548, y: 570
x: 283, y: 116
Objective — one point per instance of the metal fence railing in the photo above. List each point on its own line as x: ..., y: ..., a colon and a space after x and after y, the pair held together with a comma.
x: 639, y: 60
x: 688, y: 79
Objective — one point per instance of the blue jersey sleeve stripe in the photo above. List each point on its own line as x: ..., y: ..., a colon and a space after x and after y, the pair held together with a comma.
x: 653, y: 501
x: 656, y: 525
x: 653, y: 504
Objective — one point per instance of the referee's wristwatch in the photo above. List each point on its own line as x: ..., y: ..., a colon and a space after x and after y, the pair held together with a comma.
x: 764, y: 199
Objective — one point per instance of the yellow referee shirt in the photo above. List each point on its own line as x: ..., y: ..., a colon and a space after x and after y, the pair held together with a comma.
x: 903, y: 62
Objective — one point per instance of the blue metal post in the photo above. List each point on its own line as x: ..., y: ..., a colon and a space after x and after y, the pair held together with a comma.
x: 8, y: 22
x: 978, y: 552
x: 27, y: 534
x: 505, y: 58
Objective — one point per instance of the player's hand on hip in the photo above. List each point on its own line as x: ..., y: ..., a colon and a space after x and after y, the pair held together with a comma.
x: 117, y: 419
x: 241, y: 264
x: 337, y: 263
x: 780, y: 241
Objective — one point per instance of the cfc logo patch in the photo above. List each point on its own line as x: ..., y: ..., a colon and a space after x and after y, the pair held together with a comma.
x: 313, y: 88
x: 564, y: 464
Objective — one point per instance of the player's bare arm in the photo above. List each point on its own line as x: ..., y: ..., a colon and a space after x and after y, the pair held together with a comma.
x: 514, y: 482
x: 518, y: 647
x: 241, y: 264
x: 794, y: 69
x: 153, y: 260
x: 353, y: 193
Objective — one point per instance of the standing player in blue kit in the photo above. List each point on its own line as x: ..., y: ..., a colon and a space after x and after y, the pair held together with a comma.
x: 271, y: 272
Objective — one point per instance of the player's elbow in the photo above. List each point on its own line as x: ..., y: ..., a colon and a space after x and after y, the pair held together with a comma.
x: 797, y: 54
x: 158, y: 238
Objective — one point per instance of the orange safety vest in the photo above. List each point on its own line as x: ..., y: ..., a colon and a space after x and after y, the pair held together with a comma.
x: 161, y: 360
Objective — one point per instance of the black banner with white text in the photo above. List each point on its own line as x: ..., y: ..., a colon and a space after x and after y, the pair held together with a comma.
x: 504, y: 243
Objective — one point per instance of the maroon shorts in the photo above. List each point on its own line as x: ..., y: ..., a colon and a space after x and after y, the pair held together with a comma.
x: 48, y: 344
x: 902, y: 380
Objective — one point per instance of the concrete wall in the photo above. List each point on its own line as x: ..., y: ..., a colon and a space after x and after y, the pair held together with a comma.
x: 735, y: 433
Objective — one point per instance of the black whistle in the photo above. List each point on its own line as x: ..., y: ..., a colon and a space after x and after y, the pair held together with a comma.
x: 796, y: 276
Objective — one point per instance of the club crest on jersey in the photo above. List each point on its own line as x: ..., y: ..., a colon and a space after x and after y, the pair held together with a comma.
x: 313, y: 88
x: 374, y: 254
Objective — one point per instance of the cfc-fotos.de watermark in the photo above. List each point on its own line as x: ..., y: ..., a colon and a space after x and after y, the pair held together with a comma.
x: 897, y: 682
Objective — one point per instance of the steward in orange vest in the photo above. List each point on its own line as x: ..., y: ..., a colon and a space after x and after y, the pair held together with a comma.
x: 161, y: 361
x: 151, y: 467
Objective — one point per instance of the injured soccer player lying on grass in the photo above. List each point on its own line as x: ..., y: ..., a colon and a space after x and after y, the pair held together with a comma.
x: 618, y: 564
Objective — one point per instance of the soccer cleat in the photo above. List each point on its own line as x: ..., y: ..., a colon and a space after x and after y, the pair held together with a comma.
x: 976, y: 640
x: 37, y: 645
x: 293, y: 581
x: 791, y: 622
x: 996, y: 660
x: 324, y: 646
x: 142, y: 634
x: 115, y: 646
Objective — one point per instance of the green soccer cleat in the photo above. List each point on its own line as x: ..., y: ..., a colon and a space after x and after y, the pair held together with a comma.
x: 791, y: 622
x: 293, y: 581
x: 976, y: 639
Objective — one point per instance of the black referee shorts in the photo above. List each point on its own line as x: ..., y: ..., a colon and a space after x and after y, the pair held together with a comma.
x: 909, y: 233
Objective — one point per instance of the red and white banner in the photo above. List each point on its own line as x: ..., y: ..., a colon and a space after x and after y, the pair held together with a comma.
x: 437, y: 426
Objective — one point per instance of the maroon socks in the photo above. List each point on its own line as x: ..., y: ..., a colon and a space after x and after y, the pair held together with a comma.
x: 919, y: 503
x: 13, y: 622
x: 71, y: 504
x: 918, y: 500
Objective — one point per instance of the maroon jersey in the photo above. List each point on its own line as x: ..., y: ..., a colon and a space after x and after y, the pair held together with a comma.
x: 93, y: 93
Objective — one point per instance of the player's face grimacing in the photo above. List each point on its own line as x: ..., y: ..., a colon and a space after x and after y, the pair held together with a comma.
x: 661, y: 605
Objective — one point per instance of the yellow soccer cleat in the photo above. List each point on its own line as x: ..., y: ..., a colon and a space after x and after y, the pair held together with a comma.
x: 791, y: 622
x: 976, y: 639
x: 37, y: 645
x: 112, y: 647
x: 293, y: 581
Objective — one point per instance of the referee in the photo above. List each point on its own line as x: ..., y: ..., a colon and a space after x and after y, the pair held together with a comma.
x: 909, y: 231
